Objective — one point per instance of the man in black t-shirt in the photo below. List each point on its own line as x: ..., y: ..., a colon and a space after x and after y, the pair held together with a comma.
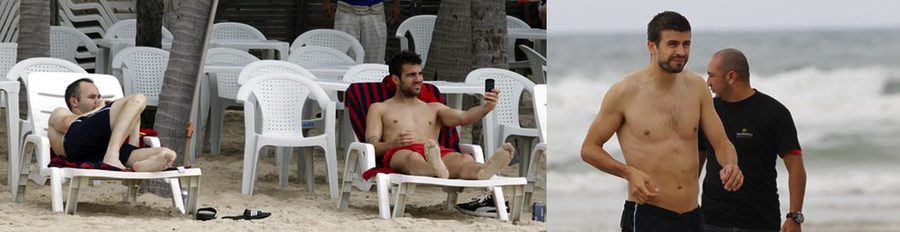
x: 761, y: 129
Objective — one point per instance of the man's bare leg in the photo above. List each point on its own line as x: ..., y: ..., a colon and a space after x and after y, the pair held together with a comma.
x: 412, y: 163
x: 123, y: 115
x: 464, y: 166
x: 433, y: 157
x: 151, y: 159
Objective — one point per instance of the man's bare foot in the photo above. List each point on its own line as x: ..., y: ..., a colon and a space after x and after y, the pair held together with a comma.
x: 433, y: 157
x: 498, y: 162
x: 114, y: 162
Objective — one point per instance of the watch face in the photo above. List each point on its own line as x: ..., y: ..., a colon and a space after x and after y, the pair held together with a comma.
x: 798, y: 217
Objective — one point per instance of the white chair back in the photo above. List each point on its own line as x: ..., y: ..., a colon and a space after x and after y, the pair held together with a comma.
x: 279, y: 99
x: 262, y: 67
x: 315, y: 56
x: 8, y: 56
x: 41, y: 64
x: 540, y: 110
x: 366, y: 73
x: 235, y: 31
x: 227, y: 82
x: 142, y: 70
x: 127, y: 29
x: 338, y: 40
x: 420, y: 28
x: 510, y: 84
x: 64, y: 43
x: 537, y: 62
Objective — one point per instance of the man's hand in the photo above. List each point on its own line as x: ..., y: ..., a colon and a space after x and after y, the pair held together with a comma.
x: 404, y: 139
x: 641, y: 186
x: 490, y: 99
x: 732, y: 178
x: 327, y: 9
x: 790, y: 226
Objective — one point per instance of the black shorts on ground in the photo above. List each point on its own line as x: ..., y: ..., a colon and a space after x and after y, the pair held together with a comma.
x: 88, y: 136
x: 642, y: 218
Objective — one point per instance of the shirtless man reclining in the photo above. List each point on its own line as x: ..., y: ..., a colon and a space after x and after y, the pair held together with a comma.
x: 405, y: 129
x: 93, y: 130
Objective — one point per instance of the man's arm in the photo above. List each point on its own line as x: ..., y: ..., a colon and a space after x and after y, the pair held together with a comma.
x: 607, y: 122
x: 731, y: 175
x: 451, y: 117
x: 395, y: 12
x: 796, y: 184
x: 60, y: 119
x: 374, y: 129
x: 327, y: 9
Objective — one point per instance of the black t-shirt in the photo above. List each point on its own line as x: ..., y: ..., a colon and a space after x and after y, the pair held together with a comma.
x: 761, y: 129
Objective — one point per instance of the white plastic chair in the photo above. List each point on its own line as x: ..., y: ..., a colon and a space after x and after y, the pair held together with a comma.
x: 8, y: 56
x: 142, y: 69
x: 22, y: 127
x: 513, y: 22
x: 127, y: 29
x: 64, y: 43
x: 10, y: 92
x: 43, y: 98
x: 338, y: 40
x: 537, y: 62
x: 222, y: 86
x: 263, y: 67
x: 420, y: 28
x: 539, y: 155
x: 278, y: 99
x: 503, y: 121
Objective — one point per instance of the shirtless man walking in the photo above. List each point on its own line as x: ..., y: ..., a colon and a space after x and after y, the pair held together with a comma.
x: 405, y: 129
x: 92, y: 130
x: 656, y: 113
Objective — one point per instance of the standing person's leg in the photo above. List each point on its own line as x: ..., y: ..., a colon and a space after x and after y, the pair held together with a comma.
x: 124, y: 114
x: 374, y: 37
x: 463, y: 166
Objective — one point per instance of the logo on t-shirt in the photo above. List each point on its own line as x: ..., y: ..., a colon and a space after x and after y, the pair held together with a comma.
x: 744, y: 134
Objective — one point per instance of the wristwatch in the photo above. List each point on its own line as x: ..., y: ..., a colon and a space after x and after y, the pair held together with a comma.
x: 796, y: 216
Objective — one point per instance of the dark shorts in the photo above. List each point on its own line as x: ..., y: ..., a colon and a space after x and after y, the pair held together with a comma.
x: 88, y: 138
x: 640, y: 218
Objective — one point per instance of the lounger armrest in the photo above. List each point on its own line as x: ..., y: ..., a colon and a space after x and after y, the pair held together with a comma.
x: 152, y: 141
x: 41, y: 151
x: 364, y: 153
x: 473, y: 149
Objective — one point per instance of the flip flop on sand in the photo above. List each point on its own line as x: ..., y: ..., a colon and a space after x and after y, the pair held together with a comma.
x: 250, y: 215
x: 206, y: 214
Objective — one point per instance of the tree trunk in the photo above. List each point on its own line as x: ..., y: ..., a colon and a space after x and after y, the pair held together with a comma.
x: 489, y: 34
x: 149, y: 23
x: 172, y: 12
x: 35, y: 41
x: 179, y: 85
x: 450, y: 54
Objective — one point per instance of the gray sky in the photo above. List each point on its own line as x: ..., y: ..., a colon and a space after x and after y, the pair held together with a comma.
x: 633, y: 15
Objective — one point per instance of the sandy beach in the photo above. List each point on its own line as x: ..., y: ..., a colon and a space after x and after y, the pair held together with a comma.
x: 101, y: 206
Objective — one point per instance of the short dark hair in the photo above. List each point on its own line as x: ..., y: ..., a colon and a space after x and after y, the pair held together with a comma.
x: 667, y: 20
x: 395, y: 64
x: 73, y: 90
x: 732, y: 59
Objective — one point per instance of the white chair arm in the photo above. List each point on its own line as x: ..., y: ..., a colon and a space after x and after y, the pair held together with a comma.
x: 41, y: 152
x: 473, y: 149
x: 152, y: 141
x: 365, y: 154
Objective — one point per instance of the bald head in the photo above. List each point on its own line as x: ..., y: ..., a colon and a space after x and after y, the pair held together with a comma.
x: 731, y: 59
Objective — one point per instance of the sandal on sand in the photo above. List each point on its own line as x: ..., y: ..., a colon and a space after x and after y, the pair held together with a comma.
x: 206, y: 214
x: 250, y: 215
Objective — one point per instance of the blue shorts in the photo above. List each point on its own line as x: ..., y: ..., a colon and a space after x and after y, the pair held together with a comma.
x: 88, y: 138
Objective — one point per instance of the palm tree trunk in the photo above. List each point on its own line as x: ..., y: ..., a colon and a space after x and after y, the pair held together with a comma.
x: 149, y: 23
x: 489, y: 34
x: 450, y: 54
x: 179, y: 85
x: 35, y: 40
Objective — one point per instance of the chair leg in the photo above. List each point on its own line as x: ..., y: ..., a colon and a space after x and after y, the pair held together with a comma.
x: 452, y: 196
x: 177, y: 199
x: 251, y: 158
x: 402, y: 191
x: 131, y: 190
x: 384, y: 205
x: 500, y: 202
x: 347, y: 181
x: 331, y: 169
x: 56, y: 179
x: 192, y: 184
x: 74, y: 187
x: 283, y: 161
x: 518, y: 203
x: 215, y: 127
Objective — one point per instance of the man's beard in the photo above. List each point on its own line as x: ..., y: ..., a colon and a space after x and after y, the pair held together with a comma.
x: 409, y: 92
x: 672, y: 69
